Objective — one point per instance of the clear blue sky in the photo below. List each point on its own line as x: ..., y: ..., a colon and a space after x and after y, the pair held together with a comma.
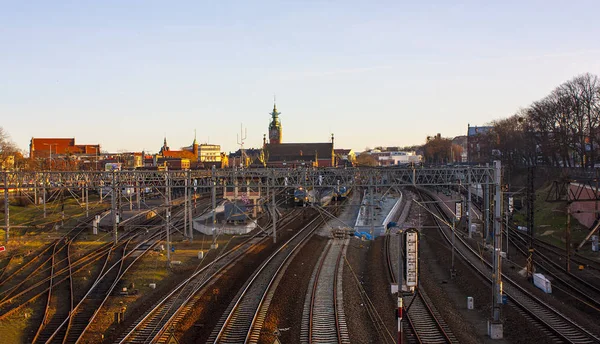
x: 125, y: 73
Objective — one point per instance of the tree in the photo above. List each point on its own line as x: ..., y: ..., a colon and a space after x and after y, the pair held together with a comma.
x: 8, y: 150
x: 366, y: 159
x: 457, y: 151
x: 438, y: 149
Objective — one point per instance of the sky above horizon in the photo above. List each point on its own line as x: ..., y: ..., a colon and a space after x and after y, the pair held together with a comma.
x: 380, y: 73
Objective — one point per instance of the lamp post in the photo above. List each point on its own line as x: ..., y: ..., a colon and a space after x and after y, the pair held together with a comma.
x: 51, y: 144
x: 96, y: 149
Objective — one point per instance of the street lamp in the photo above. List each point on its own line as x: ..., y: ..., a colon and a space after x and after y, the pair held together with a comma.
x: 51, y: 144
x: 96, y: 149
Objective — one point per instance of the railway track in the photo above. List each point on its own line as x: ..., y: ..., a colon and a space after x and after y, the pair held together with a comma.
x: 42, y: 257
x: 72, y: 327
x: 5, y: 268
x: 235, y: 326
x: 323, y: 319
x: 117, y: 259
x: 553, y: 250
x: 426, y: 325
x: 61, y: 292
x: 563, y: 328
x: 172, y: 307
x: 13, y: 275
x: 584, y: 291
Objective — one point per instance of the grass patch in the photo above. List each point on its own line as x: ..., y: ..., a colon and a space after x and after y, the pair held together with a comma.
x: 33, y: 215
x: 13, y: 328
x: 30, y: 230
x: 550, y: 219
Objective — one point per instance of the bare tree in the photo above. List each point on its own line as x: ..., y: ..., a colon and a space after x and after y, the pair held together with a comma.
x: 366, y: 159
x: 589, y: 93
x: 8, y: 149
x: 438, y: 149
x: 511, y: 140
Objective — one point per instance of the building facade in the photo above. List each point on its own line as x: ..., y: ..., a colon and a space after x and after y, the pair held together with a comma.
x: 45, y: 147
x: 209, y: 153
x: 479, y: 144
x: 279, y: 154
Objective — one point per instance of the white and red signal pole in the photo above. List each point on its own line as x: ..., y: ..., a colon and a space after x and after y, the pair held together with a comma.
x: 400, y: 308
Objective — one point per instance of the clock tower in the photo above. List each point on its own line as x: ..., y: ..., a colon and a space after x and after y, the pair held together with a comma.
x: 275, y: 127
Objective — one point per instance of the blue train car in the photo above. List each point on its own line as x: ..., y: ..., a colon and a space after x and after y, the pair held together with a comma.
x: 300, y: 196
x: 340, y: 193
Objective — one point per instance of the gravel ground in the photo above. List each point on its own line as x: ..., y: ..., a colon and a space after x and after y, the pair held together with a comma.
x: 199, y: 324
x: 286, y: 308
x: 560, y: 299
x: 362, y: 329
x: 448, y: 295
x: 518, y: 327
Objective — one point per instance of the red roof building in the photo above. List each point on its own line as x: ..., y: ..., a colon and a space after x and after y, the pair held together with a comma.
x: 279, y: 154
x: 45, y: 147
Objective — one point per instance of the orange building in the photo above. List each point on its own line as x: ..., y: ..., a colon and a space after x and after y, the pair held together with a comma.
x: 190, y: 153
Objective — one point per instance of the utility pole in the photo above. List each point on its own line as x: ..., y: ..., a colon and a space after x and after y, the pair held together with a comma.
x: 6, y: 210
x: 87, y: 197
x: 44, y: 193
x: 495, y: 327
x: 214, y: 244
x: 275, y: 213
x: 530, y: 220
x: 35, y: 186
x: 469, y: 203
x: 240, y: 142
x: 486, y: 213
x: 138, y: 194
x: 189, y: 205
x: 168, y: 217
x: 185, y: 206
x: 113, y: 203
x: 509, y: 210
x: 568, y: 237
x: 371, y: 207
x: 130, y: 196
x: 506, y: 228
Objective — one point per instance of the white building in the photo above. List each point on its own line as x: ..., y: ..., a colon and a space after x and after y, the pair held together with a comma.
x: 389, y: 158
x: 209, y: 153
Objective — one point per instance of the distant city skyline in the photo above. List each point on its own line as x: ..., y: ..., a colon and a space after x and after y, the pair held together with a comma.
x: 383, y: 73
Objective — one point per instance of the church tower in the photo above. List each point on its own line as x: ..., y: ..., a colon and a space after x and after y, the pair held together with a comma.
x: 195, y: 147
x: 275, y: 127
x: 164, y: 148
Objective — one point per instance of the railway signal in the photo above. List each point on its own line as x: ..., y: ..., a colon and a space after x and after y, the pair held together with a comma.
x: 412, y: 258
x: 409, y: 270
x: 457, y: 216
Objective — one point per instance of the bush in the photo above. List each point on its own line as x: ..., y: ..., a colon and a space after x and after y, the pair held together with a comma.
x: 20, y: 201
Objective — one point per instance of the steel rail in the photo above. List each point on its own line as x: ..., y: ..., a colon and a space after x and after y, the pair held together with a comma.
x: 563, y: 327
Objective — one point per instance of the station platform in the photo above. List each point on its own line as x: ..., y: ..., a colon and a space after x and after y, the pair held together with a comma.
x: 373, y: 218
x: 448, y: 201
x: 203, y: 224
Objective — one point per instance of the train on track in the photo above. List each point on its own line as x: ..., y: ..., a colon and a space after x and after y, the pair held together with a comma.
x: 340, y: 193
x: 301, y: 196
